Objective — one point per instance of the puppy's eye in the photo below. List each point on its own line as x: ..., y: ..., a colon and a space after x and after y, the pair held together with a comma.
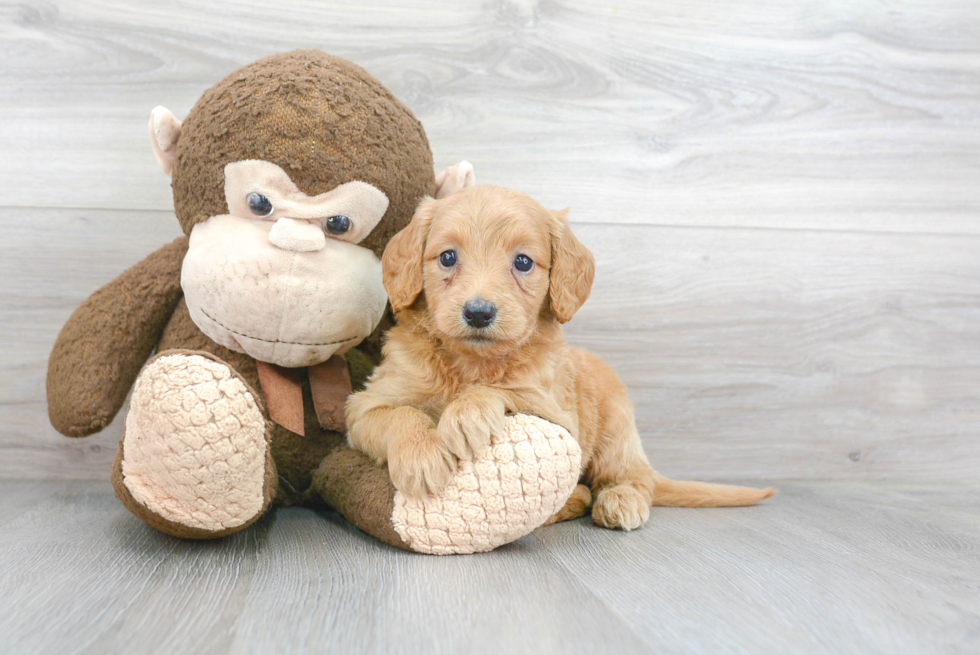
x: 448, y: 259
x: 523, y: 263
x: 259, y: 204
x: 336, y: 224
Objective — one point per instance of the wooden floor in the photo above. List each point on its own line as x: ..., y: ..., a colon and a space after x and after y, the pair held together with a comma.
x: 784, y: 203
x: 823, y: 568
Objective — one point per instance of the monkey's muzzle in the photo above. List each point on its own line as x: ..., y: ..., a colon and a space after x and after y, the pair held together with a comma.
x: 290, y: 304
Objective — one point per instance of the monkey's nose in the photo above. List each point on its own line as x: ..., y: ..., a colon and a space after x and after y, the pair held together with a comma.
x: 479, y: 313
x: 297, y: 236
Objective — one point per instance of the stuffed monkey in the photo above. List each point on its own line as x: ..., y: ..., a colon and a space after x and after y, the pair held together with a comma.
x: 242, y: 339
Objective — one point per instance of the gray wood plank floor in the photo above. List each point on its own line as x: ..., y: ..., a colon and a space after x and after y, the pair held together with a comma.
x: 872, y: 568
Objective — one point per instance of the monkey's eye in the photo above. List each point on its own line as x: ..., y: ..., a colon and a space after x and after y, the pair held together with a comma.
x: 259, y: 204
x: 448, y: 259
x: 523, y: 263
x: 336, y: 224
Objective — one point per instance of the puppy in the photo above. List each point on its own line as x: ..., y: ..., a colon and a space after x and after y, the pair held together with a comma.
x: 480, y: 283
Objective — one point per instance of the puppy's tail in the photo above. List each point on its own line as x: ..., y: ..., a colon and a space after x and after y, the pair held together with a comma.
x: 682, y: 493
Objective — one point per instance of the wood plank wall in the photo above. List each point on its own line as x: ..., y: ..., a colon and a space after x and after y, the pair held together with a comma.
x: 782, y: 196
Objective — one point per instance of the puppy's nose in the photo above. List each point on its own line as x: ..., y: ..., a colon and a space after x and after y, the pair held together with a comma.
x: 479, y: 313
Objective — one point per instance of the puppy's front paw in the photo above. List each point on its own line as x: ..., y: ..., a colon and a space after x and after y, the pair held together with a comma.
x: 468, y: 422
x: 622, y: 506
x: 420, y: 465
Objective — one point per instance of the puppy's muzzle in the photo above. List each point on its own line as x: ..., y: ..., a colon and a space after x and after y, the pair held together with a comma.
x: 479, y: 313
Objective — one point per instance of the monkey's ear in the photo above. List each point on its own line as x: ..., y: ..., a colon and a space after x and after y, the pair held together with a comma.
x: 454, y: 178
x: 572, y: 271
x: 401, y: 263
x: 164, y: 133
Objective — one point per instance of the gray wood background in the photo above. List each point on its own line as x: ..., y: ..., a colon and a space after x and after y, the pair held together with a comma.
x: 782, y: 198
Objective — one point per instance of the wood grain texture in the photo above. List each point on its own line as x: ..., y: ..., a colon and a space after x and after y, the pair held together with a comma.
x: 841, y: 568
x: 783, y: 202
x: 52, y: 260
x: 782, y: 197
x: 834, y: 115
x: 773, y: 354
x: 793, y: 354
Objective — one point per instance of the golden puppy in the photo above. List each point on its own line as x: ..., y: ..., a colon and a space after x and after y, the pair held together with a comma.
x: 480, y: 283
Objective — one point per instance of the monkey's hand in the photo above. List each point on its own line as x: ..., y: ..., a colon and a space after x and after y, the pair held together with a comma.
x: 102, y: 347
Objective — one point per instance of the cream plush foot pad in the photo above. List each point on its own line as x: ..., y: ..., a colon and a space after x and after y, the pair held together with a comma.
x: 525, y: 476
x: 194, y: 451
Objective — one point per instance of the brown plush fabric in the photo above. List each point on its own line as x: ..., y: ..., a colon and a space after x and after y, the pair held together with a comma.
x: 102, y: 347
x: 326, y: 122
x: 360, y: 489
x: 360, y: 365
x: 320, y: 118
x: 182, y: 334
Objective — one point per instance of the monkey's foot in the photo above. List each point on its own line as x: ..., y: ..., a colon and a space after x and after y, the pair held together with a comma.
x: 195, y: 459
x: 524, y: 477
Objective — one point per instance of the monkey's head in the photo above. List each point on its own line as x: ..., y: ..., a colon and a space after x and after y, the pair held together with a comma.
x: 290, y: 176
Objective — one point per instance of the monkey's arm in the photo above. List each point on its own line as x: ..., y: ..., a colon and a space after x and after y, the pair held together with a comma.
x: 102, y: 347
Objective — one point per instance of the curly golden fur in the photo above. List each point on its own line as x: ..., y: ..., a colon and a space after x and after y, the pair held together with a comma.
x: 447, y: 381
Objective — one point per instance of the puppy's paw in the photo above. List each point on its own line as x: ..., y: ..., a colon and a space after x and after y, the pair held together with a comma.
x: 420, y: 465
x: 468, y: 422
x: 621, y: 506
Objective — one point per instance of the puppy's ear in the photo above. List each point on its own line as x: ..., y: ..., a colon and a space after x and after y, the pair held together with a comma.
x: 572, y: 271
x: 401, y: 263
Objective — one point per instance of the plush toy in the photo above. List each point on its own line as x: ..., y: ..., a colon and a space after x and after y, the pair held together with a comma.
x: 289, y: 177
